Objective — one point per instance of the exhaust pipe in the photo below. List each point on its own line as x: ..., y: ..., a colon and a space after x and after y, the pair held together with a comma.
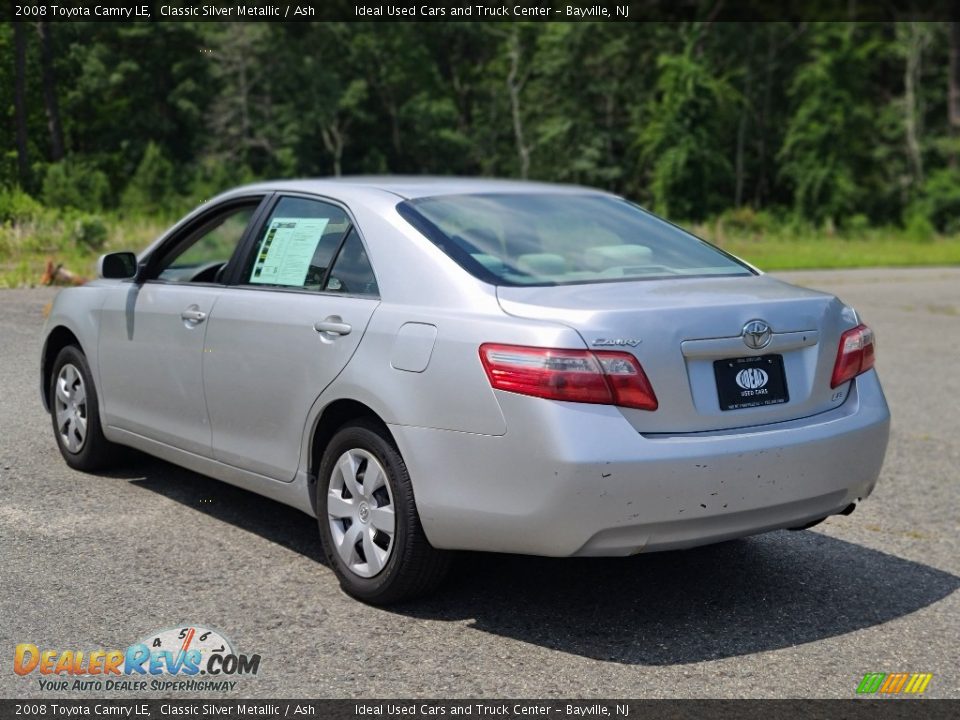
x: 848, y: 510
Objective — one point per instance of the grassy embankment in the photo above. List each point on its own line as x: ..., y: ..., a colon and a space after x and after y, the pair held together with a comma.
x: 76, y: 240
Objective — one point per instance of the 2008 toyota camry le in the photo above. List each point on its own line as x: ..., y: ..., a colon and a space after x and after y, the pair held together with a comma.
x: 438, y: 364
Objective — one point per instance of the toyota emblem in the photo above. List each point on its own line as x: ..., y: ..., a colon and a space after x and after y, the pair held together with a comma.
x: 757, y: 334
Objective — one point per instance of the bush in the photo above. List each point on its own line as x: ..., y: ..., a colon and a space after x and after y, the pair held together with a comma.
x: 16, y: 206
x: 917, y: 225
x: 939, y: 200
x: 75, y: 184
x: 213, y: 177
x: 9, y: 170
x: 89, y: 232
x: 151, y: 188
x: 857, y: 224
x: 746, y: 221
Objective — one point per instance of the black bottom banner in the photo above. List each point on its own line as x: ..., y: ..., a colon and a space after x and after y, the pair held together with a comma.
x: 853, y: 709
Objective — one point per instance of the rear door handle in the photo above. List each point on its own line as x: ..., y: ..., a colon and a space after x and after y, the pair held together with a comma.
x: 193, y: 315
x: 332, y: 325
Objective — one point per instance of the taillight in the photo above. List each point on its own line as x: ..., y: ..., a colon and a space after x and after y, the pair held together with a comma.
x: 854, y: 356
x: 606, y: 378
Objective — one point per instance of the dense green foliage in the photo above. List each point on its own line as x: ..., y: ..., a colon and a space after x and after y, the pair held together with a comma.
x: 836, y: 126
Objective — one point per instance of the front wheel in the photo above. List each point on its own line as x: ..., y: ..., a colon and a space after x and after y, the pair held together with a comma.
x: 369, y: 525
x: 75, y: 414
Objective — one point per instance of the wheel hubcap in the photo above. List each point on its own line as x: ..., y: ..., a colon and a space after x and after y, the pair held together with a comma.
x: 70, y: 406
x: 360, y: 513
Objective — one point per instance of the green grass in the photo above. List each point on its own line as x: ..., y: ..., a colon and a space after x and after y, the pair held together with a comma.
x: 26, y: 245
x: 824, y: 252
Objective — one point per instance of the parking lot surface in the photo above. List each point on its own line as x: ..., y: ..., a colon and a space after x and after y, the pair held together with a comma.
x: 90, y: 562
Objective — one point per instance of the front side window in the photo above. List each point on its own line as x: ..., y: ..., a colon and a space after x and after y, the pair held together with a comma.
x: 203, y: 255
x: 297, y: 244
x: 560, y: 239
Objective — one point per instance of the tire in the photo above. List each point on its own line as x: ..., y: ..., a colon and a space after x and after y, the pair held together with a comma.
x: 75, y: 414
x: 372, y: 565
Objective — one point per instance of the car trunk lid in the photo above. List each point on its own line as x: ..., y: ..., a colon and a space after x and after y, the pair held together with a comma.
x: 680, y: 328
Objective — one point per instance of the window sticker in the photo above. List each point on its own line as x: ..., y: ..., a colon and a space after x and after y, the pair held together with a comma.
x: 287, y: 251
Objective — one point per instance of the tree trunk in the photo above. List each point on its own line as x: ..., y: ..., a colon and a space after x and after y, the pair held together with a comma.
x: 50, y: 92
x: 334, y: 141
x: 20, y: 101
x: 762, y: 187
x: 244, y: 96
x: 953, y: 90
x: 514, y: 86
x: 745, y: 111
x: 394, y: 114
x: 912, y: 113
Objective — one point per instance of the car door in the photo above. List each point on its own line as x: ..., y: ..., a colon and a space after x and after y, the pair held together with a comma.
x: 151, y: 331
x: 283, y: 331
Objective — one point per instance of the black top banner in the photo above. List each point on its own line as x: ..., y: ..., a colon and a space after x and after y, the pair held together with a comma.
x: 484, y: 11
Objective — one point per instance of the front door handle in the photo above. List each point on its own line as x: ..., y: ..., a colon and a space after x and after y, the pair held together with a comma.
x: 333, y: 325
x: 193, y: 315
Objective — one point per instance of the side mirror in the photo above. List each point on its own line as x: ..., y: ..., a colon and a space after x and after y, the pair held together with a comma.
x: 117, y: 266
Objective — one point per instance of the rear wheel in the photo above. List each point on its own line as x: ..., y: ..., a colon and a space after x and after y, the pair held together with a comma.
x: 371, y: 531
x: 76, y: 415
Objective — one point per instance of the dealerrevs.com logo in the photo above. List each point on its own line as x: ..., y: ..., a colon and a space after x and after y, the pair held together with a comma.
x: 187, y: 658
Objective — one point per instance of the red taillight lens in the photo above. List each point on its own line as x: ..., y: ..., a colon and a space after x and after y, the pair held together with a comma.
x: 854, y: 356
x: 606, y: 378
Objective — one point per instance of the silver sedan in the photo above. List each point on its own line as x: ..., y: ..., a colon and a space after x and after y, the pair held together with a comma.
x: 437, y: 364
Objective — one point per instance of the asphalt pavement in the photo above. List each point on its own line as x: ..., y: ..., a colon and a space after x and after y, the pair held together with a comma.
x: 102, y: 561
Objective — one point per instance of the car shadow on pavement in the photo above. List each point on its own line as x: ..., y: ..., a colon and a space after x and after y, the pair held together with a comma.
x: 271, y: 520
x: 737, y: 598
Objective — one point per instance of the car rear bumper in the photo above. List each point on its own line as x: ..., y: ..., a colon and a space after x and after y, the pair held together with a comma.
x: 573, y: 479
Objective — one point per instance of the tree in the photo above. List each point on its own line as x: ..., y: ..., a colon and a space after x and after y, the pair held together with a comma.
x: 828, y: 151
x: 239, y: 114
x: 833, y: 120
x: 20, y: 101
x: 50, y: 101
x: 678, y: 136
x: 914, y: 37
x: 517, y: 77
x: 152, y: 187
x: 953, y: 95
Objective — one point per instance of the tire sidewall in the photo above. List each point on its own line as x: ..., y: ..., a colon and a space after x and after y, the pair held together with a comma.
x: 364, y: 437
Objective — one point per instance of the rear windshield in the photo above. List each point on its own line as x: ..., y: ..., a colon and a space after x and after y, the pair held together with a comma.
x: 545, y: 239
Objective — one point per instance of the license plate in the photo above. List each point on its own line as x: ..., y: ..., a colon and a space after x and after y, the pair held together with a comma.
x: 750, y: 382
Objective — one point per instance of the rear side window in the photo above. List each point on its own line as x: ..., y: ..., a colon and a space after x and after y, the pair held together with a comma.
x: 560, y: 239
x: 297, y: 244
x: 352, y: 273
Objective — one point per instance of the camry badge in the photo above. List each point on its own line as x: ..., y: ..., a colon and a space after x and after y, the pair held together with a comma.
x: 757, y: 334
x: 617, y: 342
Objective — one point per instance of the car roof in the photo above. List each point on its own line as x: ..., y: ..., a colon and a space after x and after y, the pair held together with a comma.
x: 417, y: 186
